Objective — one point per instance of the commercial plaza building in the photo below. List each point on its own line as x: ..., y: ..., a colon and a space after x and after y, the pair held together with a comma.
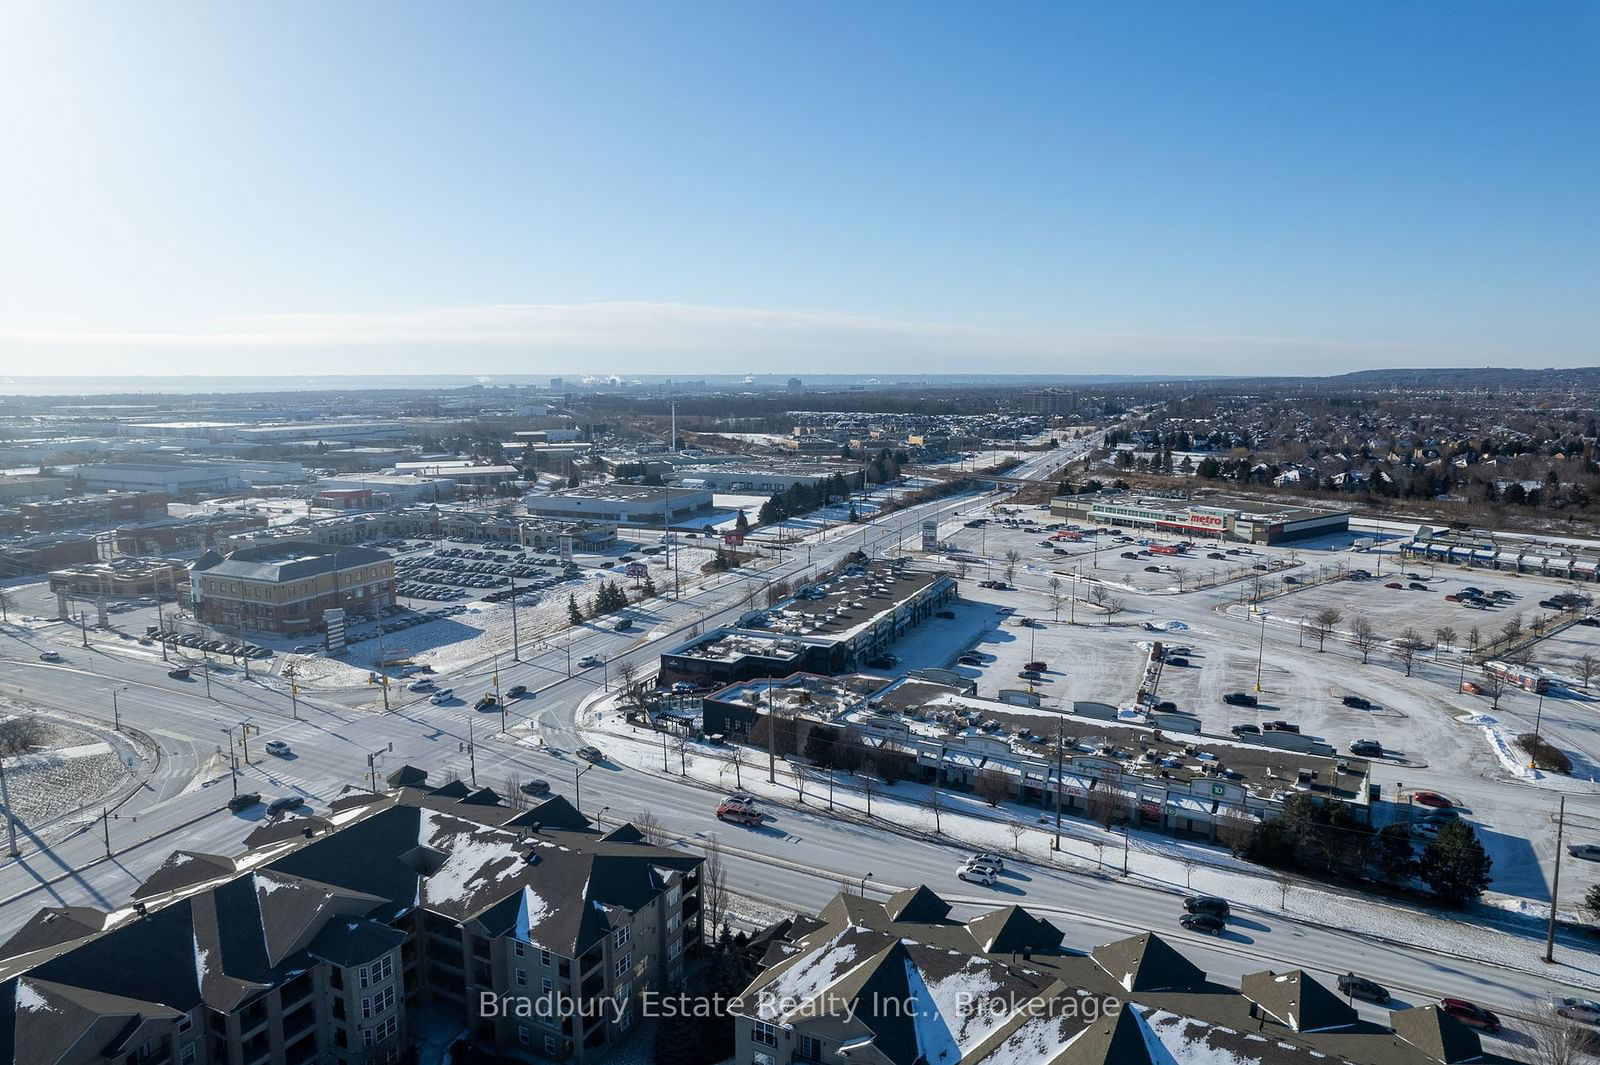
x: 285, y: 588
x: 334, y: 940
x: 1233, y: 519
x: 622, y: 504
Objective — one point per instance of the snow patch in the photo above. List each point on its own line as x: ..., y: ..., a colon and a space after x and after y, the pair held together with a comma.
x: 28, y: 998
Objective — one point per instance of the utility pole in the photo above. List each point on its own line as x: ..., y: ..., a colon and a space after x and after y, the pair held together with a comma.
x: 1261, y: 648
x: 516, y: 645
x: 472, y: 750
x: 577, y: 786
x: 83, y: 627
x: 207, y: 660
x: 294, y: 695
x: 772, y: 735
x: 244, y: 739
x: 1058, y: 785
x: 116, y: 716
x: 11, y: 818
x: 233, y: 760
x: 1555, y: 886
x: 372, y: 765
x: 105, y: 824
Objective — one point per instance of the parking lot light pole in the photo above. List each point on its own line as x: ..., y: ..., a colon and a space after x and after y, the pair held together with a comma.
x: 1555, y: 885
x: 1261, y: 648
x: 516, y: 644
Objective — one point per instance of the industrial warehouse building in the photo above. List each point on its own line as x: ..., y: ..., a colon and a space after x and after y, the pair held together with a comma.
x: 285, y: 588
x: 766, y: 479
x: 1249, y: 520
x: 622, y: 504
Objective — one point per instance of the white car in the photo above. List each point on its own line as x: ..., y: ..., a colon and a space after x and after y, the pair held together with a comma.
x: 1586, y: 1010
x: 987, y: 859
x: 1589, y: 852
x: 439, y: 698
x: 1427, y: 829
x: 420, y: 685
x: 278, y: 748
x: 978, y: 873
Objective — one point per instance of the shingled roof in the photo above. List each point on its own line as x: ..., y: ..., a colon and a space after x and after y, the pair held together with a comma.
x: 1146, y: 962
x: 1296, y: 1001
x: 1436, y: 1034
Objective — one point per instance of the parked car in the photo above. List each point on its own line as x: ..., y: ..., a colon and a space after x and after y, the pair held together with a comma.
x: 1211, y: 904
x: 1152, y: 569
x: 1470, y: 688
x: 1246, y: 730
x: 1279, y: 726
x: 1586, y: 1010
x: 516, y: 691
x: 1469, y: 1014
x: 243, y: 801
x: 1358, y: 702
x: 881, y: 662
x: 948, y: 615
x: 1589, y: 852
x: 279, y: 749
x: 1177, y: 660
x: 51, y: 656
x: 590, y: 754
x: 1446, y: 814
x: 181, y: 673
x: 1427, y: 829
x: 1449, y: 598
x: 1415, y: 587
x: 977, y: 873
x: 624, y: 625
x: 681, y: 687
x: 1360, y: 987
x: 1028, y: 674
x: 1430, y: 798
x: 1204, y: 922
x: 284, y: 805
x: 966, y: 660
x: 1396, y: 585
x: 1367, y: 748
x: 1239, y: 699
x: 988, y: 858
x: 1037, y: 667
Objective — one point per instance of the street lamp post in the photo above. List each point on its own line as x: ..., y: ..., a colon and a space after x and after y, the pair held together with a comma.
x: 1261, y: 648
x: 516, y: 646
x: 116, y: 715
x: 372, y: 765
x: 864, y: 884
x: 577, y: 786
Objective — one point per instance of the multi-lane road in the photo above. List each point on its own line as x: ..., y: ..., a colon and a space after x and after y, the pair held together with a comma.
x: 341, y: 740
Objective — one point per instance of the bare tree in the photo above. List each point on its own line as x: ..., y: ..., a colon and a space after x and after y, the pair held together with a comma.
x: 1012, y: 558
x: 1235, y: 833
x: 993, y: 787
x: 1323, y: 622
x: 1105, y: 807
x: 1406, y: 648
x: 802, y: 774
x: 1098, y: 595
x: 1494, y: 687
x: 736, y: 758
x: 1016, y: 828
x: 1189, y: 865
x: 961, y: 569
x: 651, y: 828
x: 1056, y: 598
x: 714, y: 884
x: 934, y: 804
x: 1511, y: 631
x: 1588, y: 666
x: 1564, y: 1041
x: 1114, y: 606
x: 1443, y: 636
x: 1365, y: 637
x: 627, y: 673
x: 514, y: 793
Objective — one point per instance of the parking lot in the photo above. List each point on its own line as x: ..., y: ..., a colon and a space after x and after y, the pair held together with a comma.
x: 1132, y: 560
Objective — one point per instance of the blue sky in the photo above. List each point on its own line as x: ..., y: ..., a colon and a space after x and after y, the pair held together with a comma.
x: 721, y: 187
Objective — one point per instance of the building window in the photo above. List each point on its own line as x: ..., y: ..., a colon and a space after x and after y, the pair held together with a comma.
x: 673, y: 949
x: 523, y: 1035
x: 522, y: 978
x: 764, y: 1034
x: 187, y: 1054
x: 185, y: 1023
x: 624, y: 963
x: 550, y: 1045
x: 376, y: 1004
x: 674, y: 923
x: 517, y: 948
x: 675, y: 895
x: 544, y: 957
x: 549, y: 986
x: 761, y: 1057
x: 810, y: 1048
x: 622, y: 937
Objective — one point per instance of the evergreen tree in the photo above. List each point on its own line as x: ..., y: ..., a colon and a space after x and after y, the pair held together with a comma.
x: 727, y: 979
x: 1455, y: 864
x: 677, y: 1035
x: 649, y: 585
x: 574, y: 615
x: 741, y: 524
x: 1394, y: 856
x: 854, y: 517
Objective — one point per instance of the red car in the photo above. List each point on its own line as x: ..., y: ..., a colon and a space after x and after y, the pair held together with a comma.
x: 1395, y: 584
x: 1468, y: 1014
x: 1431, y: 798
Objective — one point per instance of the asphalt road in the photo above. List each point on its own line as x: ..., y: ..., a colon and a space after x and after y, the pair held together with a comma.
x: 800, y: 865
